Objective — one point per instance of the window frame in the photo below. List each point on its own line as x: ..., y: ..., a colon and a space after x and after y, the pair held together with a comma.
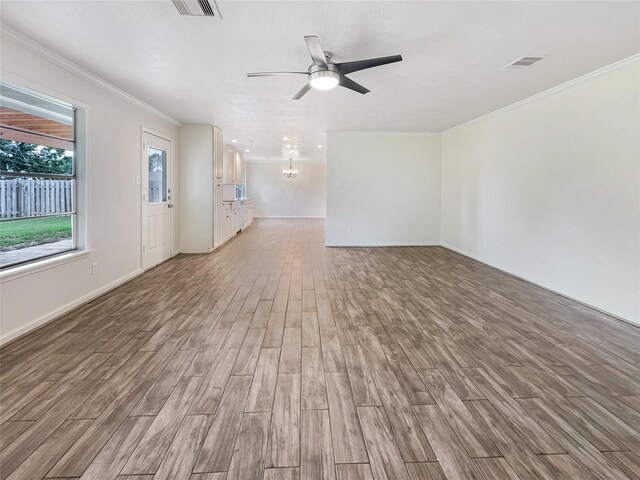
x: 165, y: 192
x: 79, y: 223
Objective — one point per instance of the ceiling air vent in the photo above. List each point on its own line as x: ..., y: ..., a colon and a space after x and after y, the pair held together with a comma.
x: 524, y: 62
x: 197, y: 8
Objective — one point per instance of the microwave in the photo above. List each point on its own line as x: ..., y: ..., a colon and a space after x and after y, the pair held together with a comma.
x: 231, y: 192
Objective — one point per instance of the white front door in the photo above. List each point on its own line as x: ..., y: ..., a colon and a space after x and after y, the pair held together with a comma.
x: 156, y: 200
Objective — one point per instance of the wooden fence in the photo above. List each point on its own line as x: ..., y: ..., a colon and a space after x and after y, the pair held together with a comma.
x: 32, y: 197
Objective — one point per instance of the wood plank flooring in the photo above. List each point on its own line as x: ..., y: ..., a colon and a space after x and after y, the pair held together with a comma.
x: 278, y: 358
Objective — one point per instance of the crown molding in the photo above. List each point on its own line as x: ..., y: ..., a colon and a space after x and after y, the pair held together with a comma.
x: 374, y: 133
x: 19, y: 38
x: 563, y: 86
x: 277, y: 161
x: 60, y: 61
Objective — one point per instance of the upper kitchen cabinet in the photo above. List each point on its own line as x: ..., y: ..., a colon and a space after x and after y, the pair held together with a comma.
x: 233, y: 170
x: 239, y: 170
x: 218, y: 157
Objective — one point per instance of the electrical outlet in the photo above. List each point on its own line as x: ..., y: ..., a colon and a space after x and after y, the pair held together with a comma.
x: 94, y: 268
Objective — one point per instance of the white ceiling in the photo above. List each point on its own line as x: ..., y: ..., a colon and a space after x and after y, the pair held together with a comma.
x: 193, y: 68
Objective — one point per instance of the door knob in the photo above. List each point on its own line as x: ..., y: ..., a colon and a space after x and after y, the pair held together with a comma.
x: 170, y: 205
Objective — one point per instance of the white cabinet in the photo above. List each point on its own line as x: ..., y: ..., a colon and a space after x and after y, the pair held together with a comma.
x: 228, y: 225
x: 233, y: 168
x: 236, y: 221
x: 218, y: 162
x: 206, y: 222
x: 227, y: 217
x: 218, y: 223
x: 239, y: 169
x: 229, y: 164
x: 218, y: 158
x: 231, y: 219
x: 247, y: 212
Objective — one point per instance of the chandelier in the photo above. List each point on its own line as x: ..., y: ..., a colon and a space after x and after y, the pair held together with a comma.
x: 290, y: 173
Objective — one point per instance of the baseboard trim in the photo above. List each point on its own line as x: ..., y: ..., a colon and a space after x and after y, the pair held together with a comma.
x: 394, y: 244
x: 299, y: 216
x: 592, y: 307
x: 58, y: 312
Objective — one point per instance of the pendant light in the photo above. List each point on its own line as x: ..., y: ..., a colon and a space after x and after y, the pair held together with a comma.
x: 290, y: 173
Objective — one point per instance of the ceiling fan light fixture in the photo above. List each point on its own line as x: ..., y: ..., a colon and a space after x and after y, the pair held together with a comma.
x: 324, y: 74
x: 324, y: 79
x: 324, y: 83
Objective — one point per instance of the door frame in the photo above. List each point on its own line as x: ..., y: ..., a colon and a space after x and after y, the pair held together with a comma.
x: 143, y: 164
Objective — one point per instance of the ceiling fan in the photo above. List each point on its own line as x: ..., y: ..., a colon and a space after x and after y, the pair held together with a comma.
x: 323, y: 74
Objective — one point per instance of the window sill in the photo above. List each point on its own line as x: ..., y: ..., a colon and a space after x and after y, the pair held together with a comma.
x: 19, y: 271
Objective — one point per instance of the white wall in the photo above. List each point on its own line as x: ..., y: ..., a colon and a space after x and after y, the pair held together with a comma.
x: 276, y: 196
x: 383, y: 189
x: 114, y: 145
x: 550, y: 190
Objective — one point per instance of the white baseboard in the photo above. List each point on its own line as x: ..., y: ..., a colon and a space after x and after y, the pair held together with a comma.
x: 58, y: 312
x: 388, y: 244
x: 299, y: 216
x: 588, y: 305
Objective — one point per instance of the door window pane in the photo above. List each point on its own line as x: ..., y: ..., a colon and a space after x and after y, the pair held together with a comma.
x: 157, y: 175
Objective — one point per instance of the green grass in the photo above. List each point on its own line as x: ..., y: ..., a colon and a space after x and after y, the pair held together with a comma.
x: 29, y: 232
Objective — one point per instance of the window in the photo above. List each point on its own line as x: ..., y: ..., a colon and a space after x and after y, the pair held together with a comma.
x: 37, y: 176
x: 157, y: 175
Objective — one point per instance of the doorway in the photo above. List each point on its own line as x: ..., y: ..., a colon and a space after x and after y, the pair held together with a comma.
x: 156, y: 200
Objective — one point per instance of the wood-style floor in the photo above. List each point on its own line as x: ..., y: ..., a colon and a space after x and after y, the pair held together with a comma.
x: 278, y: 358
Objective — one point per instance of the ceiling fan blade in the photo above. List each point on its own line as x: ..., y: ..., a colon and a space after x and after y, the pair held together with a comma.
x: 302, y: 91
x: 315, y: 49
x: 350, y: 67
x: 351, y: 85
x: 268, y: 74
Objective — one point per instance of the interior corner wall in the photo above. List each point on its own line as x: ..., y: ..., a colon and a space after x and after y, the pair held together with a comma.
x: 114, y: 152
x: 274, y: 195
x: 383, y: 188
x: 550, y: 191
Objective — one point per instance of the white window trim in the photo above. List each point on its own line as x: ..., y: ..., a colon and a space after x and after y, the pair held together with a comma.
x: 82, y: 222
x: 38, y: 265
